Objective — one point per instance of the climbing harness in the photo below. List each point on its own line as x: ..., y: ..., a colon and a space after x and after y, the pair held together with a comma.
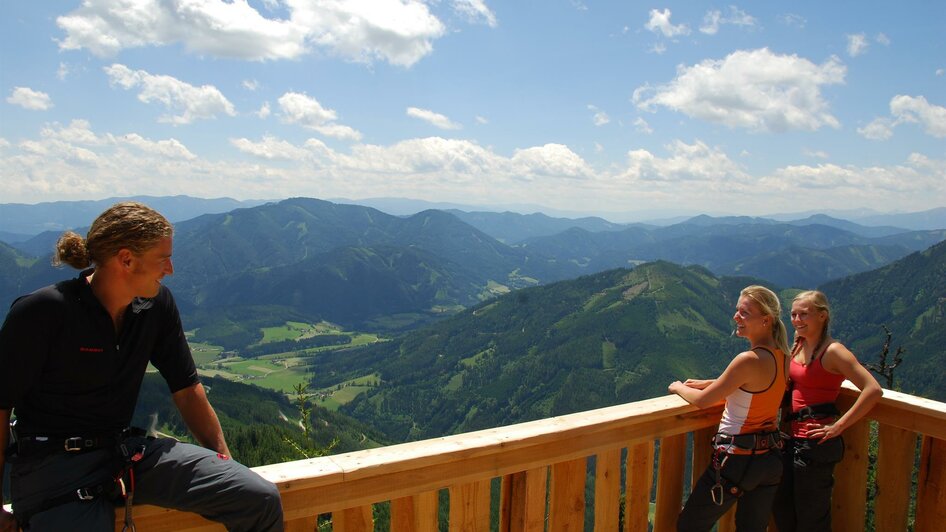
x: 123, y: 464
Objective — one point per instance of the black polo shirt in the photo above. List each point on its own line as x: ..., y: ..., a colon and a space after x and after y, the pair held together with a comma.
x: 64, y: 370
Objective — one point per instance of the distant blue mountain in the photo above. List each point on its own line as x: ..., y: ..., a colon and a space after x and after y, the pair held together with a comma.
x: 28, y: 220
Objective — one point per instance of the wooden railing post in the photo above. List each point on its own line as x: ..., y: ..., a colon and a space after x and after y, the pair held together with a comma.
x: 671, y: 464
x: 608, y: 490
x: 895, y: 455
x: 469, y: 507
x: 415, y: 514
x: 640, y: 481
x: 567, y: 499
x: 931, y: 486
x: 358, y: 519
x: 849, y: 500
x: 522, y: 502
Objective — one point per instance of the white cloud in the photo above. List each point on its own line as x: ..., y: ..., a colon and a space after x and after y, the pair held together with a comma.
x: 857, y: 44
x: 27, y: 98
x: 600, y: 118
x: 875, y: 185
x: 877, y: 129
x: 550, y: 160
x: 817, y: 154
x: 714, y: 19
x: 270, y: 148
x: 940, y: 71
x: 687, y: 162
x: 400, y: 32
x: 660, y: 23
x: 916, y: 109
x: 264, y: 111
x: 756, y: 90
x: 250, y: 84
x: 641, y: 125
x: 338, y: 131
x: 481, y: 120
x: 62, y: 71
x: 298, y: 108
x: 908, y: 110
x: 435, y: 119
x: 474, y: 11
x: 658, y: 48
x: 793, y: 20
x: 882, y: 38
x: 189, y: 101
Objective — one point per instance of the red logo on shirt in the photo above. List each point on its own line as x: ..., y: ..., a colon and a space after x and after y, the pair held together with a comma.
x: 91, y: 350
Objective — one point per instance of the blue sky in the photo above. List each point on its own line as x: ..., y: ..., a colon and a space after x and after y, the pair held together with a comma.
x: 578, y: 106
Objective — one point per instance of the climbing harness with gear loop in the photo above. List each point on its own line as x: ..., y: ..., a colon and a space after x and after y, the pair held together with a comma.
x: 726, y: 445
x: 124, y: 459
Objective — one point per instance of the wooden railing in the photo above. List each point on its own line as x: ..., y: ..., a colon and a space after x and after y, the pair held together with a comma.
x: 542, y: 470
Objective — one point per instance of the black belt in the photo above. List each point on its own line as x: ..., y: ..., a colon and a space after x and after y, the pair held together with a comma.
x: 32, y: 445
x: 818, y: 411
x: 754, y: 441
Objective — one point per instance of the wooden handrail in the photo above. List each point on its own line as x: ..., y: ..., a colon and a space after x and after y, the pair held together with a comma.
x: 546, y: 460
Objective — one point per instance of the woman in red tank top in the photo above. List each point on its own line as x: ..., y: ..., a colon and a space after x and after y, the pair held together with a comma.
x: 819, y: 365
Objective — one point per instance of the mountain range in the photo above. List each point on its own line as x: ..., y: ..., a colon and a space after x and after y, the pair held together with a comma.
x: 310, y: 259
x: 619, y: 336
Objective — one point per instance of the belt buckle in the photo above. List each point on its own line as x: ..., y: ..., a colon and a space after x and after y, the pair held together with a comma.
x: 84, y: 495
x: 76, y: 443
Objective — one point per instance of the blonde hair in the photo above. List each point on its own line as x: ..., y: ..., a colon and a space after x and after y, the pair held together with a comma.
x: 129, y: 225
x: 772, y: 307
x: 820, y: 302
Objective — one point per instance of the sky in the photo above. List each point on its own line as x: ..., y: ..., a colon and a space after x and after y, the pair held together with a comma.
x: 618, y: 108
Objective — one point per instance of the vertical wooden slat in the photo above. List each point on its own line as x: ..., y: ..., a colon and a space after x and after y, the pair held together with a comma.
x: 608, y: 490
x: 567, y: 498
x: 727, y: 523
x: 523, y: 501
x: 415, y: 514
x: 849, y: 500
x: 702, y: 452
x: 670, y: 467
x: 931, y: 486
x: 895, y: 455
x: 356, y: 519
x: 469, y: 507
x: 305, y: 524
x: 640, y: 481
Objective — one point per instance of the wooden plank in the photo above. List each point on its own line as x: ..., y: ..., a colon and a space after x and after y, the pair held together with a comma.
x: 567, y: 498
x: 469, y: 507
x: 702, y: 452
x: 931, y: 486
x: 670, y: 467
x: 849, y: 502
x: 523, y: 501
x: 358, y: 519
x: 895, y: 455
x: 608, y: 490
x: 306, y: 524
x: 905, y: 411
x: 640, y: 482
x: 416, y: 514
x: 727, y: 523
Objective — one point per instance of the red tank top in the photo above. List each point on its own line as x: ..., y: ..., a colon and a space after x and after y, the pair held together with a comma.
x: 811, y: 385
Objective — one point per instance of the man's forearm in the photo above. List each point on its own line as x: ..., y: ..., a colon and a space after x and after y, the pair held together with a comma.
x: 200, y: 418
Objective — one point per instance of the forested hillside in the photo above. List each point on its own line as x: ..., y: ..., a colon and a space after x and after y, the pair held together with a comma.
x: 909, y: 298
x: 599, y: 340
x: 256, y: 422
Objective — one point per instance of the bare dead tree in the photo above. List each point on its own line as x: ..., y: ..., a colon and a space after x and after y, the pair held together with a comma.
x: 884, y: 369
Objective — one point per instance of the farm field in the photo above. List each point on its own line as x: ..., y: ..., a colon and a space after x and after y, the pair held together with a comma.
x: 282, y: 371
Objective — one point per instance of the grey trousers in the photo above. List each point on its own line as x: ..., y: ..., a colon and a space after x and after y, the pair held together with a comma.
x: 171, y: 474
